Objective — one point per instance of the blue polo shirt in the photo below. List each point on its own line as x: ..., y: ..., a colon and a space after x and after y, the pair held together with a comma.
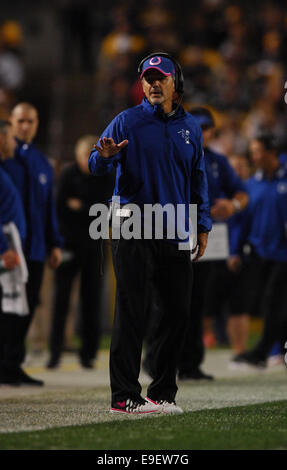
x: 264, y: 223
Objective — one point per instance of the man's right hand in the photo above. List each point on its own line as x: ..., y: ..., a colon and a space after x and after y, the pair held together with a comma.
x: 108, y: 148
x: 10, y: 259
x: 234, y: 263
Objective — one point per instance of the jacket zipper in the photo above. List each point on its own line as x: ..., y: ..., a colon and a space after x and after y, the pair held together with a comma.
x: 166, y: 130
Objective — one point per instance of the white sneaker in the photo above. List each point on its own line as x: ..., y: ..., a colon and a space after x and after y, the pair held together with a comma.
x: 130, y: 406
x: 168, y: 407
x: 276, y: 360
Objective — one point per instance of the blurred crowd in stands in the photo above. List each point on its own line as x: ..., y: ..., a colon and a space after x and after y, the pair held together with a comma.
x: 232, y: 54
x: 12, y: 65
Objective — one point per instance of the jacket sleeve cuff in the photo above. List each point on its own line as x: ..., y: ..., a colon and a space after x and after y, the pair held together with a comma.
x: 204, y: 228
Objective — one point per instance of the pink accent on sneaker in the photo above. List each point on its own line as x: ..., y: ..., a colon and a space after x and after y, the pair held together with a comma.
x: 121, y: 403
x: 152, y: 401
x: 117, y: 410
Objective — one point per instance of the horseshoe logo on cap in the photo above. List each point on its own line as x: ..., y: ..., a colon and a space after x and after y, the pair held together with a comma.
x: 155, y: 61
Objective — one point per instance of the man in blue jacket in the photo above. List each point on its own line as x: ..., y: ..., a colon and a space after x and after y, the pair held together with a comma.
x: 156, y: 148
x: 10, y: 204
x: 32, y: 174
x: 11, y: 210
x: 264, y: 228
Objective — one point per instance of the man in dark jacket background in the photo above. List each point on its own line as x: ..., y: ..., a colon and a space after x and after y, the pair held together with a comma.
x: 77, y: 191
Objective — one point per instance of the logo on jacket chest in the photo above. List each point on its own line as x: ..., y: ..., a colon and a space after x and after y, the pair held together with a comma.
x: 282, y: 188
x: 185, y: 134
x: 43, y: 178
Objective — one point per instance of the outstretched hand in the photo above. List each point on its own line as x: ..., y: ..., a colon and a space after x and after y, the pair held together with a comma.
x: 108, y: 147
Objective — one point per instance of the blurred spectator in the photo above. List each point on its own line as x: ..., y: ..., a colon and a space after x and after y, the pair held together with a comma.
x: 77, y: 33
x: 11, y: 69
x: 13, y: 311
x: 33, y: 177
x: 121, y: 40
x: 78, y: 190
x: 12, y: 36
x: 264, y: 227
x: 225, y: 281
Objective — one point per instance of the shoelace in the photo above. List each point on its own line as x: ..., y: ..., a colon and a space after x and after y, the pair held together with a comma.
x: 165, y: 402
x: 132, y: 405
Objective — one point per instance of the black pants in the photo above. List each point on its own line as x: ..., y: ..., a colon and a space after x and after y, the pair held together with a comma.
x: 14, y: 328
x: 88, y: 263
x: 192, y: 353
x: 139, y: 264
x: 11, y: 340
x: 274, y: 301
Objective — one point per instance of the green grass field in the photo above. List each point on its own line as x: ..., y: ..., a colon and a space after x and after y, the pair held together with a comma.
x: 261, y: 426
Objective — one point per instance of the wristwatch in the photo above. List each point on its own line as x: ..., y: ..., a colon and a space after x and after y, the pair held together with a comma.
x: 236, y: 204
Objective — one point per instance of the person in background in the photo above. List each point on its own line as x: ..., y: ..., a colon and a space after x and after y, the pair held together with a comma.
x: 225, y: 281
x: 77, y: 191
x: 227, y: 196
x: 11, y: 210
x: 32, y: 175
x: 264, y: 228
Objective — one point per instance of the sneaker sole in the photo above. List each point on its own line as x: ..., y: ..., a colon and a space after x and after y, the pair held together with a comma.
x: 171, y: 411
x: 114, y: 410
x: 244, y: 366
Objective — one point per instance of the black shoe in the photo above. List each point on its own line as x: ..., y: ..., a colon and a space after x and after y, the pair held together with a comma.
x: 196, y: 374
x: 25, y: 379
x: 249, y: 358
x: 53, y: 363
x: 87, y: 363
x: 9, y: 377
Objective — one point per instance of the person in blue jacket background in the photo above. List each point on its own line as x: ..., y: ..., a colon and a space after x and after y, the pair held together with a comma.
x: 226, y: 278
x: 156, y: 148
x: 11, y: 210
x: 32, y: 174
x: 283, y: 158
x: 264, y: 228
x: 227, y: 196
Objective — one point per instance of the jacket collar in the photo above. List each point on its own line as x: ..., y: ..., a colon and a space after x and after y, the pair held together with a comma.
x: 156, y: 110
x: 22, y: 145
x: 279, y: 173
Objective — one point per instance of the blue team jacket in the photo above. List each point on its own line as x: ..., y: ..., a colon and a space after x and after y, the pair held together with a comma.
x: 264, y: 223
x: 222, y: 179
x: 32, y: 174
x: 162, y: 163
x: 223, y: 182
x: 11, y: 209
x: 283, y: 158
